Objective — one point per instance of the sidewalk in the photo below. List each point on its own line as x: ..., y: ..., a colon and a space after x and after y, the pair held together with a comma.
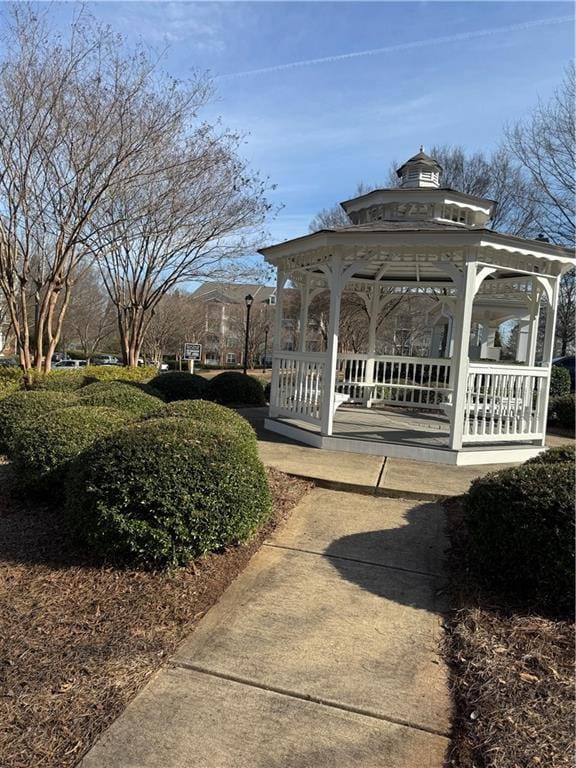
x: 322, y: 654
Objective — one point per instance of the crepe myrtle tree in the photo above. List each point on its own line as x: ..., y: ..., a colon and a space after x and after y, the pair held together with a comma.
x: 84, y: 123
x: 192, y: 220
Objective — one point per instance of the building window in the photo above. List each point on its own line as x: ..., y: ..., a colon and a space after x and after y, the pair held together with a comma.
x: 231, y: 358
x: 455, y: 214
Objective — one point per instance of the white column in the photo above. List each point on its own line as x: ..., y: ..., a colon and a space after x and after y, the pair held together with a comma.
x: 548, y: 350
x: 459, y: 373
x: 372, y: 327
x: 304, y: 303
x: 329, y: 378
x: 523, y: 343
x: 277, y: 341
x: 534, y: 321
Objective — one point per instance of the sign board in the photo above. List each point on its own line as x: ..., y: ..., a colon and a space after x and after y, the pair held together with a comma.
x: 192, y: 351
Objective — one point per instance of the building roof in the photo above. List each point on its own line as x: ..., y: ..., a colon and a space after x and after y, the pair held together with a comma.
x: 233, y: 293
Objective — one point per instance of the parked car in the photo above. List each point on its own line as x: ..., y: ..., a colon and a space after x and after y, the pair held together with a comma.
x: 71, y: 365
x: 105, y: 360
x: 8, y: 362
x: 568, y: 363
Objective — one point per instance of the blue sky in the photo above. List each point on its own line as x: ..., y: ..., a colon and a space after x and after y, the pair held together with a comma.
x: 318, y: 129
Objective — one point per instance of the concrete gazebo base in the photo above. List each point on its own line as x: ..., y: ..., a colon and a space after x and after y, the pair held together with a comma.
x: 398, y: 434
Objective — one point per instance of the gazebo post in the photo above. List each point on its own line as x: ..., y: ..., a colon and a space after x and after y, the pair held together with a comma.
x: 534, y: 319
x: 304, y: 304
x: 548, y: 347
x: 372, y: 327
x: 277, y: 343
x: 462, y: 323
x: 329, y: 378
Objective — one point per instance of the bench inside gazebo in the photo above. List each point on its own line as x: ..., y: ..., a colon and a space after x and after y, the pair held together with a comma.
x: 458, y: 404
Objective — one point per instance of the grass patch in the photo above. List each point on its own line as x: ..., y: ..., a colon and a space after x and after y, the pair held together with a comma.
x: 512, y: 673
x: 79, y: 640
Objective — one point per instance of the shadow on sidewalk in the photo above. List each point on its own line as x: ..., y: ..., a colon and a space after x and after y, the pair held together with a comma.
x: 403, y: 564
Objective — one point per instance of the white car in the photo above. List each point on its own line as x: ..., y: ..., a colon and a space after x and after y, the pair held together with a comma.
x: 70, y: 365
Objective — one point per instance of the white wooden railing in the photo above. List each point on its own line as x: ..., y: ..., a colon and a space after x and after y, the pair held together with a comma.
x: 504, y: 403
x: 413, y: 381
x: 298, y: 391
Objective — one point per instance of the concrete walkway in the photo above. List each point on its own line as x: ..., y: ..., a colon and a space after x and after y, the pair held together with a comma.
x: 322, y: 654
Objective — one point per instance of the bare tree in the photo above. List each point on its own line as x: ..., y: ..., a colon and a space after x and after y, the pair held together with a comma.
x: 545, y: 147
x: 178, y: 318
x: 81, y: 121
x: 91, y: 318
x: 191, y: 221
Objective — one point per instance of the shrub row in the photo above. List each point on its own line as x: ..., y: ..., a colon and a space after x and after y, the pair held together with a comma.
x: 228, y: 388
x: 521, y: 526
x: 144, y: 481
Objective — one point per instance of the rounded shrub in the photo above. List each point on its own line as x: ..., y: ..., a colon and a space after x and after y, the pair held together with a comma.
x: 232, y: 387
x: 563, y: 411
x: 43, y: 450
x: 125, y: 397
x: 11, y: 380
x: 21, y: 409
x: 164, y: 491
x: 521, y: 526
x: 207, y: 413
x: 179, y: 385
x: 560, y: 382
x: 561, y: 454
x: 60, y: 380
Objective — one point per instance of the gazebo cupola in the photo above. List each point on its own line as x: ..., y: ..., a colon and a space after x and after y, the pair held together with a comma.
x: 419, y: 197
x: 420, y: 171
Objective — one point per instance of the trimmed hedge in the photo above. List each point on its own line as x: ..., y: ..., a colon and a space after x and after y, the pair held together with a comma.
x: 124, y: 396
x: 207, y: 413
x: 562, y: 412
x: 10, y: 381
x: 233, y: 388
x: 521, y: 525
x: 71, y: 380
x: 560, y: 455
x: 42, y: 451
x: 20, y: 409
x: 560, y: 381
x: 165, y: 491
x: 179, y: 385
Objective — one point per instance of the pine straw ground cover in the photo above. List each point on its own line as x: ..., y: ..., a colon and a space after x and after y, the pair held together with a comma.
x: 77, y: 641
x: 512, y: 676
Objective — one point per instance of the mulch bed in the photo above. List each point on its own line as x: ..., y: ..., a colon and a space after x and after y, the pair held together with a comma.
x: 78, y: 641
x: 512, y: 675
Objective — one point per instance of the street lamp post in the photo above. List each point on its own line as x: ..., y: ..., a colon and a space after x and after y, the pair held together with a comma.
x: 266, y: 329
x: 249, y: 301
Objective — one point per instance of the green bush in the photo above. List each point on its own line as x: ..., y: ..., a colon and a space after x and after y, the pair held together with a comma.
x: 179, y: 385
x: 233, y: 388
x: 207, y: 413
x: 20, y: 409
x: 560, y: 382
x: 561, y: 411
x: 521, y: 525
x: 43, y: 450
x: 11, y: 380
x: 559, y: 455
x: 121, y: 395
x: 164, y: 491
x: 71, y: 380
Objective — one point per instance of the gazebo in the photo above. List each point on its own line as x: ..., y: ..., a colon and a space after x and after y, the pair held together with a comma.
x: 460, y: 403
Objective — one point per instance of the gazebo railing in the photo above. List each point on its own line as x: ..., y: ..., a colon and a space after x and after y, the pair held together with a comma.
x: 299, y: 377
x: 394, y: 380
x: 504, y: 403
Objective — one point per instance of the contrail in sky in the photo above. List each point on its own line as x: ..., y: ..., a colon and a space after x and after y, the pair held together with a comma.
x: 403, y: 46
